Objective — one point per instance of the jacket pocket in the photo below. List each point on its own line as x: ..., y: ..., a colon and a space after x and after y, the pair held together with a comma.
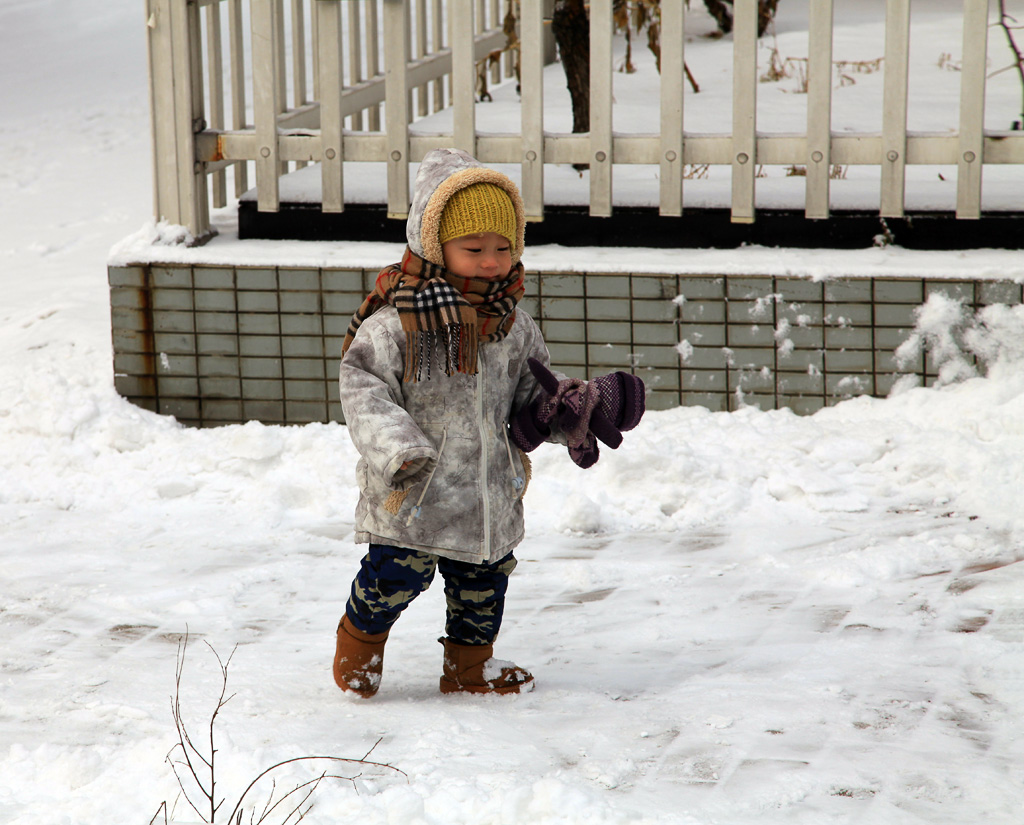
x: 519, y: 477
x: 418, y: 507
x: 376, y: 492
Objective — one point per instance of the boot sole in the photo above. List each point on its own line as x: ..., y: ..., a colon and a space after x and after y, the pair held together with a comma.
x: 450, y: 686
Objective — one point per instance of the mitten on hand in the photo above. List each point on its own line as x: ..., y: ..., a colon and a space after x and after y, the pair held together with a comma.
x: 621, y: 407
x: 560, y: 403
x: 587, y: 412
x: 568, y: 404
x: 569, y: 401
x: 526, y: 429
x: 620, y: 402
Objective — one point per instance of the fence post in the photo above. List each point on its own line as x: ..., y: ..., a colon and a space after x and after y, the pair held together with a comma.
x: 437, y: 44
x: 421, y: 50
x: 894, y: 108
x: 372, y: 62
x: 672, y: 78
x: 300, y: 86
x: 355, y: 57
x: 175, y: 77
x: 161, y: 110
x: 744, y: 110
x: 266, y: 102
x: 601, y: 155
x: 461, y: 35
x: 215, y: 78
x: 970, y: 152
x: 281, y: 65
x: 331, y: 131
x: 819, y: 109
x: 314, y: 45
x: 396, y: 106
x: 236, y: 39
x: 532, y: 83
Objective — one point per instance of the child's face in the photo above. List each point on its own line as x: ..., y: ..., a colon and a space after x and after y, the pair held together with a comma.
x: 487, y: 256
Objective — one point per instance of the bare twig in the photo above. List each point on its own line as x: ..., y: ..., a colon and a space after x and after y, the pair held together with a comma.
x: 194, y: 768
x: 312, y: 784
x: 1005, y: 21
x: 512, y: 47
x: 690, y: 77
x: 201, y: 766
x: 372, y: 749
x: 363, y: 761
x: 273, y: 788
x: 221, y: 701
x: 184, y: 742
x: 163, y: 807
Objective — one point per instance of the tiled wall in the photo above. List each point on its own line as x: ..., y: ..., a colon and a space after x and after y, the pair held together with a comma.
x: 216, y: 345
x: 797, y: 343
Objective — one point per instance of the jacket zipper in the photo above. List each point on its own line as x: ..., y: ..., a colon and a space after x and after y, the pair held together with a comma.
x: 483, y: 458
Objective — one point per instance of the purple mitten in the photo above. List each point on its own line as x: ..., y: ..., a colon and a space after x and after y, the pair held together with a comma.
x: 526, y: 429
x: 586, y: 453
x: 622, y: 406
x: 587, y: 412
x: 544, y: 376
x: 570, y: 402
x: 528, y: 432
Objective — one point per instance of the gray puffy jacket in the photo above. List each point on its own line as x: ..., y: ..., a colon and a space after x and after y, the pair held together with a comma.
x: 462, y: 494
x: 467, y: 495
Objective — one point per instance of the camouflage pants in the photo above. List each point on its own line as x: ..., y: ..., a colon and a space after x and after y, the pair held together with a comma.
x: 389, y: 578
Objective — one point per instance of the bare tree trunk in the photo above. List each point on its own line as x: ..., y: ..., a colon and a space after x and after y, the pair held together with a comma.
x: 721, y: 10
x: 571, y: 28
x: 765, y: 14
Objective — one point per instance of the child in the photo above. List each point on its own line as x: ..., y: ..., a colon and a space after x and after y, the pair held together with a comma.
x: 441, y: 375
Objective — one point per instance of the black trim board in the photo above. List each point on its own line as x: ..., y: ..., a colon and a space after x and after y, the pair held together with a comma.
x: 643, y: 227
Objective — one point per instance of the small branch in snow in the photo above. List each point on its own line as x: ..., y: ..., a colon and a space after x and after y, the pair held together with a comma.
x: 195, y: 769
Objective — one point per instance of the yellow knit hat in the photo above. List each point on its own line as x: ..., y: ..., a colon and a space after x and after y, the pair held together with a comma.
x: 480, y: 207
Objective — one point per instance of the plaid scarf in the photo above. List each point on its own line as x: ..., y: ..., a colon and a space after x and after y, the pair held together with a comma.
x: 441, y: 312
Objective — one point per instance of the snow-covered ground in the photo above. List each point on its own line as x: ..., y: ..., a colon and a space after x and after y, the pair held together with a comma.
x: 735, y: 618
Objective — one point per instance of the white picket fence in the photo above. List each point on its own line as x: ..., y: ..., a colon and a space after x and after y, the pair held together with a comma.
x: 307, y: 66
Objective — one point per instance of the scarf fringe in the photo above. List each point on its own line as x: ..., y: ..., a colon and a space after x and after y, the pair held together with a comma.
x: 454, y: 348
x: 445, y: 317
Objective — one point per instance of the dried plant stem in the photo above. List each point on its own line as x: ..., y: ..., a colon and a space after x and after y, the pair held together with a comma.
x: 1005, y: 21
x: 163, y: 809
x: 196, y: 769
x: 193, y: 758
x: 312, y: 784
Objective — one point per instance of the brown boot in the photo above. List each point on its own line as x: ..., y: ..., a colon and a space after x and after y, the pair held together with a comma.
x: 471, y: 668
x: 358, y: 659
